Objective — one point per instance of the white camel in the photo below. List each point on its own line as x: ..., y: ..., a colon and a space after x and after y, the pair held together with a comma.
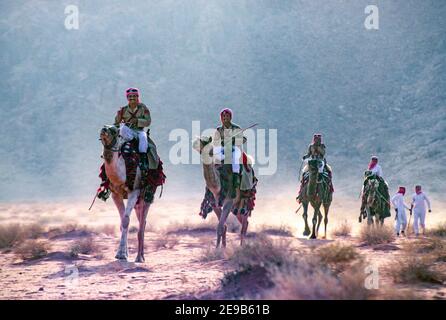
x: 116, y: 173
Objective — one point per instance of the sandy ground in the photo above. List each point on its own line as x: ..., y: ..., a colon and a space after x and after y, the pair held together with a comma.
x: 175, y: 272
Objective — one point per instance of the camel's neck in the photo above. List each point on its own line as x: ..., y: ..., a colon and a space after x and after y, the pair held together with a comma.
x: 114, y: 167
x: 108, y: 155
x: 211, y: 175
x: 312, y: 182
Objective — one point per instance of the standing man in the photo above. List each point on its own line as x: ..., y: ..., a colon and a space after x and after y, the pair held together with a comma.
x: 419, y: 209
x: 400, y: 208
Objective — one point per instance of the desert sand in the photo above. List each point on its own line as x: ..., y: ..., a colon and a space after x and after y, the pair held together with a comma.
x: 174, y: 267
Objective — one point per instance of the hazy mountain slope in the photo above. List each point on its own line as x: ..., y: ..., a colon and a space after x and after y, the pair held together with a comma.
x: 297, y: 66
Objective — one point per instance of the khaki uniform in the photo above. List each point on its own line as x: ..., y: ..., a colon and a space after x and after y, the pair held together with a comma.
x: 316, y: 151
x: 137, y: 120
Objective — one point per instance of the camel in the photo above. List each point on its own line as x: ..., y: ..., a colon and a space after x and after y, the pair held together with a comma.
x: 315, y: 192
x: 374, y: 205
x: 213, y: 183
x: 116, y: 173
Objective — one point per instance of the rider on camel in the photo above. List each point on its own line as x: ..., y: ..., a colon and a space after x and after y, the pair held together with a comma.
x: 316, y: 151
x: 374, y: 171
x: 132, y: 119
x: 228, y: 145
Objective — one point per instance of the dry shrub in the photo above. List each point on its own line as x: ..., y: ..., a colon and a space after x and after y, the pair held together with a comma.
x: 253, y: 264
x: 33, y: 231
x: 337, y: 253
x: 10, y: 235
x: 33, y: 249
x: 166, y: 241
x: 412, y: 269
x: 262, y: 251
x: 70, y: 229
x: 372, y: 235
x: 439, y: 230
x: 207, y: 226
x: 212, y: 254
x: 109, y: 230
x: 433, y: 248
x: 283, y: 231
x: 308, y: 278
x: 133, y: 229
x: 342, y: 230
x: 83, y: 246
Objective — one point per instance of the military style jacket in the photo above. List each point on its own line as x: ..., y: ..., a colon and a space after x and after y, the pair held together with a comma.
x: 316, y: 151
x: 223, y: 133
x: 136, y: 119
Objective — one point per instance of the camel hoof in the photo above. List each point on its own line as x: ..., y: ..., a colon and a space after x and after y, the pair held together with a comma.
x: 121, y: 257
x: 306, y: 233
x: 140, y: 259
x: 313, y: 236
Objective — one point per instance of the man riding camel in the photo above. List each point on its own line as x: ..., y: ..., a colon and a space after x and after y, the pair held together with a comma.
x: 228, y: 145
x: 374, y: 170
x: 316, y: 151
x: 131, y: 120
x: 235, y: 167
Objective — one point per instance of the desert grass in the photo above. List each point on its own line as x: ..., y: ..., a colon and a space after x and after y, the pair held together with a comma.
x: 268, y: 269
x: 342, y: 230
x: 413, y: 269
x: 282, y: 230
x: 438, y: 231
x: 10, y: 235
x: 108, y: 229
x: 337, y: 252
x: 211, y: 253
x: 33, y: 249
x: 431, y: 247
x: 209, y: 225
x: 165, y: 241
x: 83, y: 246
x: 15, y: 234
x: 373, y: 235
x: 70, y: 228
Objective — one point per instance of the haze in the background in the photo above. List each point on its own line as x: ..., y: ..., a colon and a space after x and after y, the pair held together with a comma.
x: 296, y: 66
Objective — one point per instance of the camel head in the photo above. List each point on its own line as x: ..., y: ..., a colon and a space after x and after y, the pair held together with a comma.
x: 108, y: 135
x: 200, y: 142
x: 313, y: 166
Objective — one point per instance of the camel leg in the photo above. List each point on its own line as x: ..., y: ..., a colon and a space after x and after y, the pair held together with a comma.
x: 326, y: 209
x: 143, y: 209
x: 244, y: 230
x: 305, y: 216
x: 369, y: 216
x: 221, y: 228
x: 123, y: 253
x: 119, y: 203
x: 315, y: 215
x: 319, y: 221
